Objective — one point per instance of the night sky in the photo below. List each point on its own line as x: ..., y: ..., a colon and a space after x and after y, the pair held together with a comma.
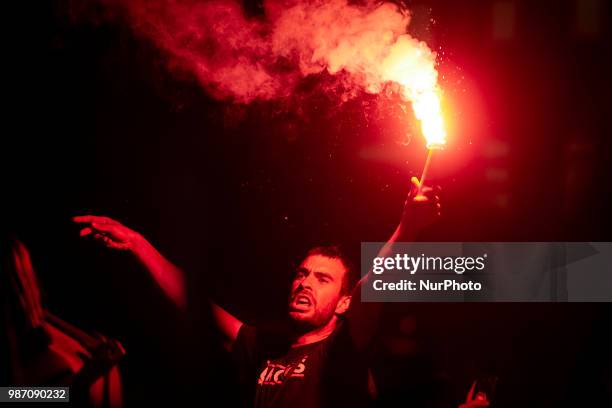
x: 235, y: 194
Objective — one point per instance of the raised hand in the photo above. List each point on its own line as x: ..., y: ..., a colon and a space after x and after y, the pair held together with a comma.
x: 115, y: 235
x: 111, y: 233
x: 420, y: 209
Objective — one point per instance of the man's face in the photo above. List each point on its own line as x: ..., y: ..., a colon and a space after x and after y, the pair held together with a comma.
x: 316, y: 291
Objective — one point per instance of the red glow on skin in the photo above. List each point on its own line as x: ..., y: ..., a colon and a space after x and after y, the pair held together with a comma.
x: 68, y: 352
x: 319, y: 279
x: 26, y: 286
x: 115, y: 235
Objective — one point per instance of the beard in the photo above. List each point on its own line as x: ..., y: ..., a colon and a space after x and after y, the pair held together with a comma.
x: 312, y: 318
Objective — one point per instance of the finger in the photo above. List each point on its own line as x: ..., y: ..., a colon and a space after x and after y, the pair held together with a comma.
x: 109, y: 242
x: 470, y: 394
x: 85, y: 218
x: 105, y: 228
x: 415, y: 181
x: 115, y: 232
x: 116, y: 245
x: 93, y: 218
x: 424, y: 195
x: 430, y: 191
x: 85, y: 231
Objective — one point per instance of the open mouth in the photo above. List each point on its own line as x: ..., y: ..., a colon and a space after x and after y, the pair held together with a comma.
x: 302, y: 300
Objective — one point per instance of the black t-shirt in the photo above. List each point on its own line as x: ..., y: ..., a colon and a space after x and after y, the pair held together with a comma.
x: 321, y: 374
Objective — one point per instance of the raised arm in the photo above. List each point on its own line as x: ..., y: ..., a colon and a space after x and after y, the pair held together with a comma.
x: 167, y: 275
x: 117, y: 236
x: 419, y: 212
x: 228, y: 324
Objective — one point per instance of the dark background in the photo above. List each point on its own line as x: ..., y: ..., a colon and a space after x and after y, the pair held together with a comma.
x: 234, y: 194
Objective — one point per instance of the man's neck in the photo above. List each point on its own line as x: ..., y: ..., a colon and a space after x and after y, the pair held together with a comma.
x: 318, y: 334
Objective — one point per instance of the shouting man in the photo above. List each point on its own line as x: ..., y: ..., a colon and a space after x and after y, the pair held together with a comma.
x: 320, y: 357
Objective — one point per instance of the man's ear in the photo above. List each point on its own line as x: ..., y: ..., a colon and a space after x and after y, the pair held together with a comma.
x: 343, y: 304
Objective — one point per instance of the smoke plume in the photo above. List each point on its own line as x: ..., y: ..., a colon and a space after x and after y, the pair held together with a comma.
x: 245, y: 58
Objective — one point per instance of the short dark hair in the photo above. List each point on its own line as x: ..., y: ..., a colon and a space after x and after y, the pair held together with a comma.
x: 351, y: 276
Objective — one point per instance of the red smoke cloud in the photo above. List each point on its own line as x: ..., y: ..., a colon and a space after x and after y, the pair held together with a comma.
x: 243, y: 58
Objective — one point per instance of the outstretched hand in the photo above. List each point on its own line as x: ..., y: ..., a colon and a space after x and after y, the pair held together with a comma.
x: 115, y: 235
x: 108, y: 231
